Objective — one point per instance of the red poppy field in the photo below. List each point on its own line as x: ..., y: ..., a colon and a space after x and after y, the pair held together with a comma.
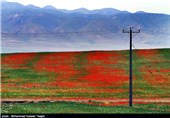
x: 86, y: 76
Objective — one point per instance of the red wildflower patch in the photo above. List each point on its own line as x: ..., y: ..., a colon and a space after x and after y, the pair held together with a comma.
x: 153, y: 70
x: 93, y: 56
x: 146, y: 53
x: 104, y: 57
x: 153, y: 76
x: 67, y: 84
x: 61, y: 63
x: 17, y: 60
x: 93, y: 77
x: 104, y: 70
x: 151, y: 73
x: 8, y: 85
x: 94, y: 84
x: 165, y: 70
x: 99, y: 71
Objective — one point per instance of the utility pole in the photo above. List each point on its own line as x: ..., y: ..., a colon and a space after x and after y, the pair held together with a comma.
x: 130, y: 65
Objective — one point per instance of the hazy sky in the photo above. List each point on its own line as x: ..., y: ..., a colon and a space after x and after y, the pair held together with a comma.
x: 155, y: 6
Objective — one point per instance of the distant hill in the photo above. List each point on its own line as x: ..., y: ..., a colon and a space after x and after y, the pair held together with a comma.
x: 89, y: 27
x: 104, y: 11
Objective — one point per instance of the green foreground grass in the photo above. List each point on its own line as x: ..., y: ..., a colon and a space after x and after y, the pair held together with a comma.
x: 72, y: 107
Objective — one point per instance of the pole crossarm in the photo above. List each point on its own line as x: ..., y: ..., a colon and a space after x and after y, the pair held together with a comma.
x: 136, y: 31
x: 130, y: 64
x: 124, y: 31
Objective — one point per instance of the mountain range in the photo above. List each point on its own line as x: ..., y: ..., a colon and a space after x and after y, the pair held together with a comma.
x: 31, y: 28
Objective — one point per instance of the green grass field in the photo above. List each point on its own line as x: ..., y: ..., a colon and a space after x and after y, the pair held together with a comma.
x: 100, y: 74
x: 71, y: 107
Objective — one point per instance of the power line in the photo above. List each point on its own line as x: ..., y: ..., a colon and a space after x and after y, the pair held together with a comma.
x: 134, y: 35
x: 133, y: 46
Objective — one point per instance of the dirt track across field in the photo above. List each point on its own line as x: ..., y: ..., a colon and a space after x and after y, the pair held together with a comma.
x: 35, y: 100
